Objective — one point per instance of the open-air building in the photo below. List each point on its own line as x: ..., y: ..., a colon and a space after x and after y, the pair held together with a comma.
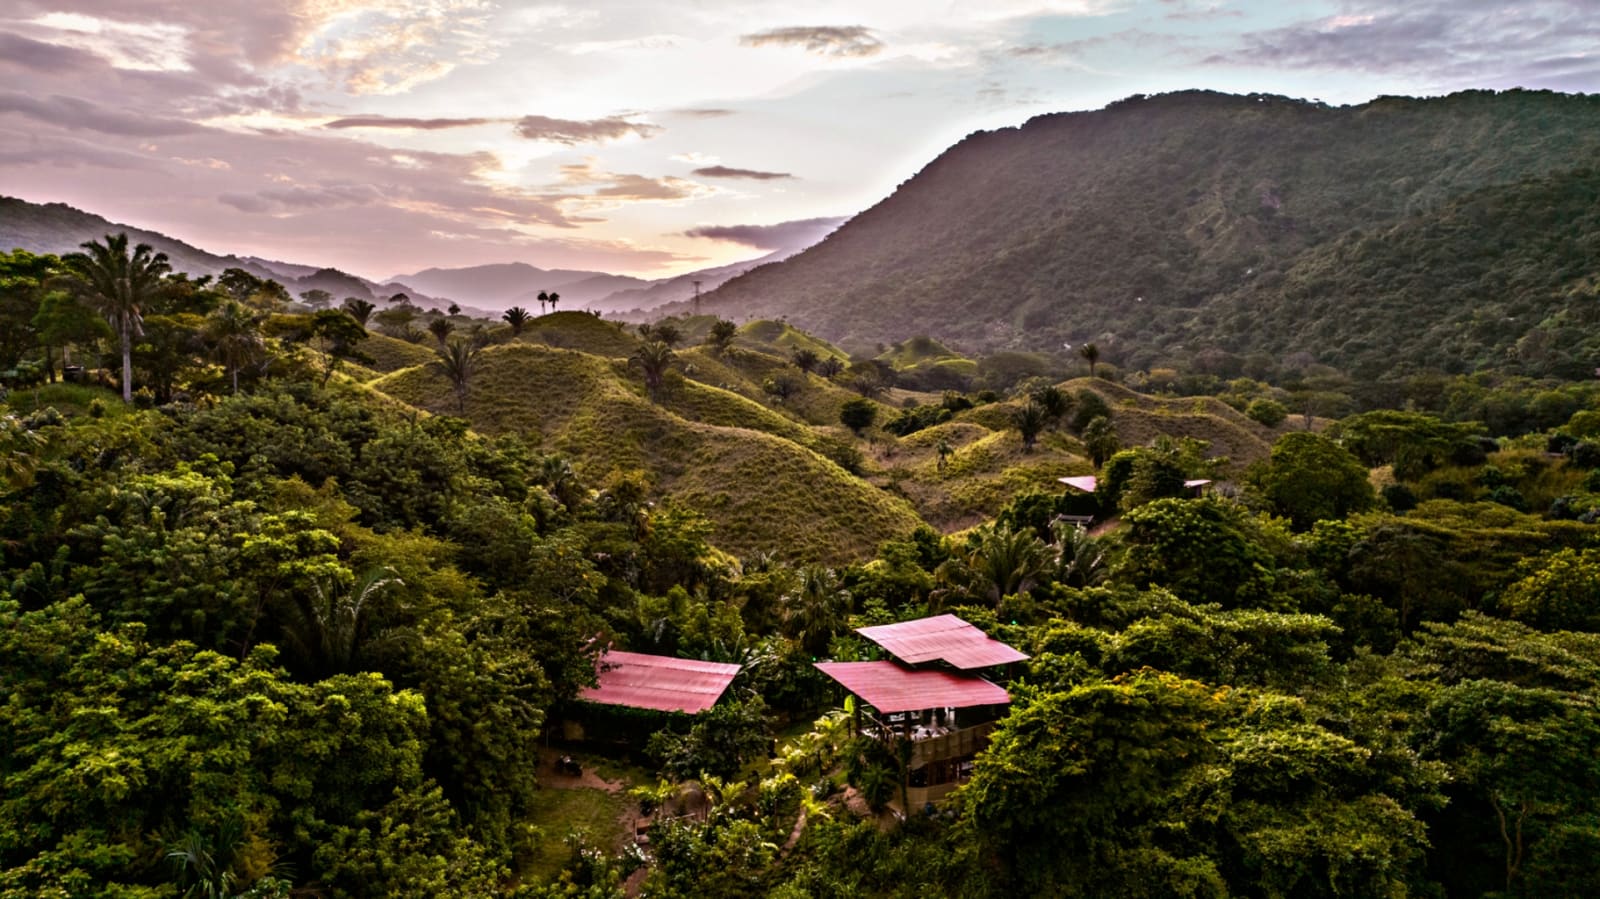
x: 634, y: 692
x: 931, y: 695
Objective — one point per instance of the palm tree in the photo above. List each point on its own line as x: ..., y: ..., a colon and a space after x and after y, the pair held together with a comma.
x: 1090, y: 354
x: 234, y: 332
x: 441, y: 329
x: 553, y: 297
x: 653, y: 359
x: 543, y: 298
x: 457, y: 359
x: 1007, y: 561
x: 517, y: 317
x: 1055, y: 404
x: 1080, y: 560
x: 1100, y: 440
x: 721, y: 334
x: 816, y: 609
x: 1030, y: 419
x: 118, y: 285
x: 359, y: 309
x: 327, y: 628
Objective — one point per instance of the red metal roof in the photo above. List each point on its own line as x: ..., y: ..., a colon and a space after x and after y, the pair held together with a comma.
x: 661, y: 683
x: 1088, y: 482
x: 943, y: 637
x: 888, y: 687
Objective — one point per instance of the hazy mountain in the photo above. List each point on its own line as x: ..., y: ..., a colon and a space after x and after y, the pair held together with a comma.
x: 681, y: 288
x: 58, y: 228
x: 1120, y: 225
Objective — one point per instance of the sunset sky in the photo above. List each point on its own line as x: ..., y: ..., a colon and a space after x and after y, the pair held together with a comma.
x: 645, y: 138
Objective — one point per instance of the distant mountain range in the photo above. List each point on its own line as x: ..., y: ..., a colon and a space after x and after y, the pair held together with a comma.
x: 484, y: 289
x: 1199, y: 228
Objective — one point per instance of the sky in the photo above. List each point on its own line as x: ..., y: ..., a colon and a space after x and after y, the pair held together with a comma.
x: 646, y: 138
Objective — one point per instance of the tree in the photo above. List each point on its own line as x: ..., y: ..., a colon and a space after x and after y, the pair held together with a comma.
x: 804, y: 359
x: 858, y: 414
x: 721, y: 334
x: 816, y: 609
x: 457, y: 360
x: 1029, y: 419
x: 1091, y: 355
x: 317, y: 298
x: 544, y: 297
x: 1559, y: 592
x: 518, y: 318
x: 653, y: 358
x: 1054, y: 402
x: 453, y: 309
x: 1100, y: 440
x: 1309, y: 478
x: 441, y: 329
x: 234, y: 333
x: 553, y: 298
x: 336, y: 335
x: 118, y: 284
x: 359, y: 309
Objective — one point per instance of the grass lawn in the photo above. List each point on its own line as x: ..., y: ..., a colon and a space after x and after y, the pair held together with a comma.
x: 560, y: 812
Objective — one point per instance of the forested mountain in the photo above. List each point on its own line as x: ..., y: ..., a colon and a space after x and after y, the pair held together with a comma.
x: 1123, y: 225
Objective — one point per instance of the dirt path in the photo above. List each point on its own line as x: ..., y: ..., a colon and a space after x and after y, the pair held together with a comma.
x: 551, y: 775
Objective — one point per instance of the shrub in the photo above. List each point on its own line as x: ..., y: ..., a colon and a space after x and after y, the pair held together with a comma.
x: 1267, y: 412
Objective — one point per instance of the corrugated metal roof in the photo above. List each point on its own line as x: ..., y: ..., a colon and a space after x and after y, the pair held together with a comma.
x: 661, y: 683
x: 1088, y: 482
x: 888, y: 687
x: 943, y: 637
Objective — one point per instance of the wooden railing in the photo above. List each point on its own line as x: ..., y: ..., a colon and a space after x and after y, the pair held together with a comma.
x: 963, y: 743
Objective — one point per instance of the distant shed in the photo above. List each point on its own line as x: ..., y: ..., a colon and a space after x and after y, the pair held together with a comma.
x: 658, y: 683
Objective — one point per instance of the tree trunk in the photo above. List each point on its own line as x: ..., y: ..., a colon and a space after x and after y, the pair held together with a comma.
x: 236, y: 380
x: 127, y: 364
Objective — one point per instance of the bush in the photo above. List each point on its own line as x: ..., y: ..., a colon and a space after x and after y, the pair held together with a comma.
x: 1267, y: 412
x: 858, y: 414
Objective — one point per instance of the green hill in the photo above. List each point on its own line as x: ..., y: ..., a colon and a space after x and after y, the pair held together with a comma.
x: 745, y: 467
x: 1119, y: 225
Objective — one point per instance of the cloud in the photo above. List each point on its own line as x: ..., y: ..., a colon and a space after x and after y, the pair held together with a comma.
x: 705, y: 113
x: 399, y: 122
x: 1455, y: 42
x: 42, y: 56
x: 722, y: 171
x: 81, y: 115
x: 614, y: 187
x: 573, y: 131
x: 782, y: 236
x: 823, y: 40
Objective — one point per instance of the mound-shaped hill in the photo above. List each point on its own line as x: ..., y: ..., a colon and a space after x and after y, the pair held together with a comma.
x: 1508, y: 276
x: 760, y: 376
x: 1140, y: 419
x: 744, y: 467
x: 581, y: 331
x: 1113, y: 226
x: 392, y: 354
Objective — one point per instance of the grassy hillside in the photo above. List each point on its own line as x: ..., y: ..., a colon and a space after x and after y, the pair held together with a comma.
x: 1115, y: 225
x: 742, y: 465
x: 581, y: 331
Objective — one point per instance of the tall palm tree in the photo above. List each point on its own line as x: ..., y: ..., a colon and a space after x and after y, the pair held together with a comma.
x: 816, y: 609
x: 653, y: 359
x: 553, y: 298
x: 457, y: 359
x: 1091, y: 355
x: 1030, y: 419
x: 234, y: 332
x: 119, y: 285
x: 543, y: 298
x: 517, y: 317
x: 327, y: 628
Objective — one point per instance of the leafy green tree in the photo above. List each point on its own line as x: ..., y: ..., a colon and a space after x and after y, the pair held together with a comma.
x: 805, y: 359
x: 317, y: 298
x: 1089, y: 406
x: 1309, y: 478
x: 518, y: 318
x: 1055, y: 403
x: 1090, y: 791
x: 1205, y: 550
x: 64, y: 322
x: 24, y: 283
x: 234, y: 333
x: 1270, y: 413
x: 653, y: 359
x: 457, y: 361
x: 858, y: 414
x: 336, y: 335
x: 1558, y: 592
x: 119, y: 285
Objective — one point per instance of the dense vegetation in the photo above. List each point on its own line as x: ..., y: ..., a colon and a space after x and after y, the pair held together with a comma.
x: 1156, y: 226
x: 308, y: 612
